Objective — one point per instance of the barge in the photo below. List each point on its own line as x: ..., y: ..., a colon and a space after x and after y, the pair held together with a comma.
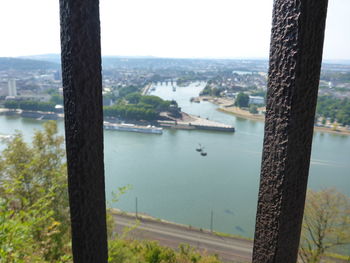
x: 132, y: 128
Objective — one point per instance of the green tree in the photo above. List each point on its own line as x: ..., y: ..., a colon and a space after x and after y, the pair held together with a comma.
x: 133, y: 98
x: 215, y: 92
x: 253, y: 109
x: 326, y: 224
x: 206, y: 90
x: 155, y: 101
x: 11, y: 104
x: 123, y: 91
x: 56, y: 99
x: 242, y: 100
x: 333, y: 108
x: 34, y: 218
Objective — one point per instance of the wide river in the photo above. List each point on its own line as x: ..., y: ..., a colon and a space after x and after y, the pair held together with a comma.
x: 174, y: 182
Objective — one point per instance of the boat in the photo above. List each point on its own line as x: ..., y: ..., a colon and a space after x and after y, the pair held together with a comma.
x: 132, y: 128
x: 196, y: 100
x: 201, y: 150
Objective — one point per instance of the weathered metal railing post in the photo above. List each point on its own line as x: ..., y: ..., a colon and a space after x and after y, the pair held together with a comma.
x: 295, y: 62
x: 82, y: 86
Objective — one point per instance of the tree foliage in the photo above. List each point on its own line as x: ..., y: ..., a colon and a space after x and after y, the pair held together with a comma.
x: 56, y: 99
x: 333, y: 108
x: 130, y: 112
x: 30, y: 105
x: 131, y: 251
x: 253, y: 109
x: 138, y: 107
x: 123, y: 91
x: 326, y: 224
x: 34, y: 218
x: 133, y: 98
x: 210, y: 91
x: 242, y: 100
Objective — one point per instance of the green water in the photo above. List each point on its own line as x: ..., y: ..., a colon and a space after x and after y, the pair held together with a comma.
x: 174, y: 182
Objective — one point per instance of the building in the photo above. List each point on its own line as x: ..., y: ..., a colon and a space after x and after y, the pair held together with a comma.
x: 12, y: 90
x: 256, y: 100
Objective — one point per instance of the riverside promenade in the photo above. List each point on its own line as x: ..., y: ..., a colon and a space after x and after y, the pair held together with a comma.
x: 229, y: 249
x: 192, y: 122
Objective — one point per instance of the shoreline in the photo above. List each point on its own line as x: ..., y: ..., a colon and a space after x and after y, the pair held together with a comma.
x: 257, y: 117
x: 185, y: 122
x: 192, y: 122
x: 146, y: 217
x: 225, y: 106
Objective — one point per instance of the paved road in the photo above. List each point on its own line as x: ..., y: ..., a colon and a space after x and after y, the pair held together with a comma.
x: 171, y: 235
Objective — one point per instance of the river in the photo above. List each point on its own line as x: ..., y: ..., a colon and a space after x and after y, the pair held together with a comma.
x: 174, y: 182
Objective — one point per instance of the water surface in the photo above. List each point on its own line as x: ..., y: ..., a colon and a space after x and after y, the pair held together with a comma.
x: 174, y: 182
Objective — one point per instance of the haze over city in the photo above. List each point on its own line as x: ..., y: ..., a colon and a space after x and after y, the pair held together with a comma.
x: 193, y: 29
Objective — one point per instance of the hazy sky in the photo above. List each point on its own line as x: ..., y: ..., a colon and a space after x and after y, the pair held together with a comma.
x: 165, y: 28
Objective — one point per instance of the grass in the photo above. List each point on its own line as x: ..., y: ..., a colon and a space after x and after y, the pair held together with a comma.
x: 220, y: 234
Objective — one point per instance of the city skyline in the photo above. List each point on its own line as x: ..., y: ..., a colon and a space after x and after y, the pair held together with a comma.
x: 181, y: 29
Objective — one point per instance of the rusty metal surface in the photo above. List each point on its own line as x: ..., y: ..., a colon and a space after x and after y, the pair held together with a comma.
x: 82, y: 86
x: 294, y: 71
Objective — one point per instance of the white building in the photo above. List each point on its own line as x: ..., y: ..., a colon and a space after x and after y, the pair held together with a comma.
x: 256, y: 100
x: 12, y: 91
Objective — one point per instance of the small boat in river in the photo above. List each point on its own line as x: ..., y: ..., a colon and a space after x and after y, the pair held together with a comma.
x: 199, y: 148
x: 203, y: 153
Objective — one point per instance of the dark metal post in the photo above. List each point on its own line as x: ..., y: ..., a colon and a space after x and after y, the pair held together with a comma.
x: 295, y: 61
x: 82, y: 86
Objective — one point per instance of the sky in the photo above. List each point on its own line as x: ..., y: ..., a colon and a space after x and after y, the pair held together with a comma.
x: 165, y: 28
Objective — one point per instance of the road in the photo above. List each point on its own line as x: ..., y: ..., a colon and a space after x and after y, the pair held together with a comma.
x: 172, y: 235
x: 146, y: 89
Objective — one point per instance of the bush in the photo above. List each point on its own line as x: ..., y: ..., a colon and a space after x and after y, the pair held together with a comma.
x: 133, y: 251
x: 253, y: 109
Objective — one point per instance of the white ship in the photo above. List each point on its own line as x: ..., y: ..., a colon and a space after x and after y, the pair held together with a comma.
x: 132, y: 127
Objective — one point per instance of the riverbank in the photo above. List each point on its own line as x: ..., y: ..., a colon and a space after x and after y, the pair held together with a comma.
x: 184, y: 122
x: 170, y: 234
x: 146, y: 217
x: 242, y: 113
x: 191, y: 122
x: 259, y: 117
x: 37, y: 115
x: 144, y: 227
x: 226, y: 106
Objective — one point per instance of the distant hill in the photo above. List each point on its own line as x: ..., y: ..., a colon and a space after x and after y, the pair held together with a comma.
x: 26, y: 64
x: 56, y: 58
x: 53, y: 61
